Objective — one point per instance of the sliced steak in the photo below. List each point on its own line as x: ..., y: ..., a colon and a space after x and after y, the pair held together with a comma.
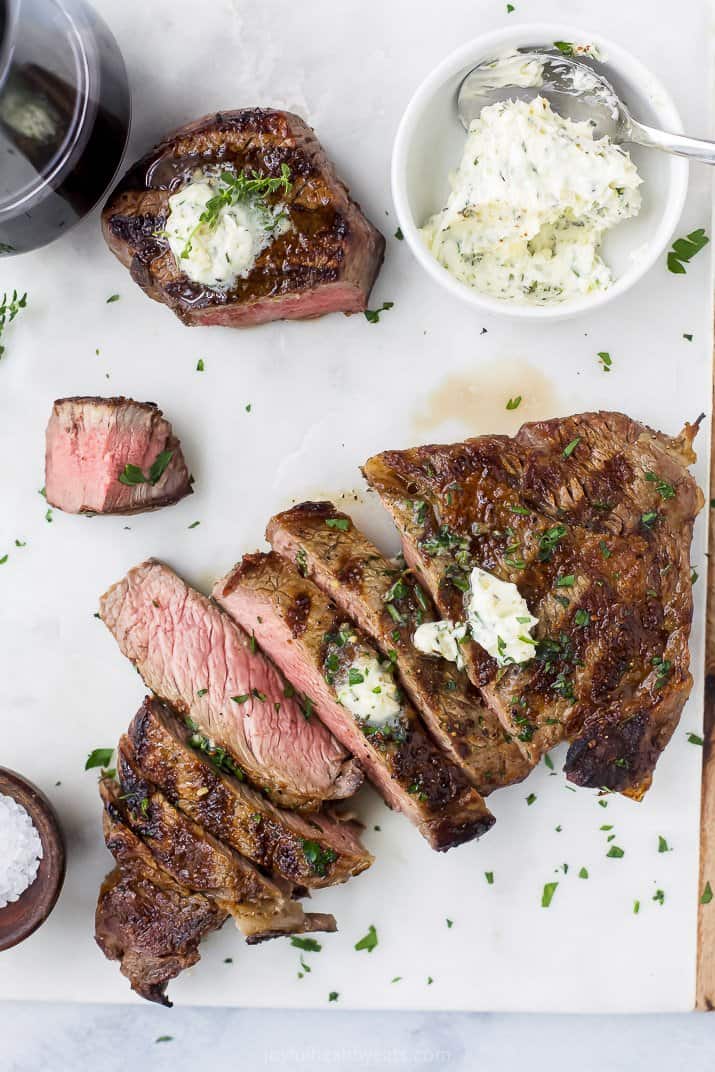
x: 197, y: 860
x: 312, y: 851
x: 591, y: 517
x: 325, y: 261
x: 387, y: 603
x: 112, y: 456
x: 199, y: 661
x: 313, y: 642
x: 146, y: 920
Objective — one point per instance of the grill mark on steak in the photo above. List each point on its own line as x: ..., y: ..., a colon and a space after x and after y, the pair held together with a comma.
x: 409, y: 771
x: 144, y: 919
x: 279, y: 841
x: 202, y: 664
x: 327, y: 262
x: 616, y: 687
x: 350, y: 570
x: 197, y: 860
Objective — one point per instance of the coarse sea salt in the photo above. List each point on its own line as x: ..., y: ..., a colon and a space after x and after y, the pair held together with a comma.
x: 20, y: 850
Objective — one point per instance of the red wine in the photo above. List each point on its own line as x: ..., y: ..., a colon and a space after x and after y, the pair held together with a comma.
x: 64, y: 118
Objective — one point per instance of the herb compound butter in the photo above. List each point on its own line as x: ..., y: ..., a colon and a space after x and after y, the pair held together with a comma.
x: 496, y: 617
x: 369, y: 691
x: 531, y: 201
x: 216, y: 239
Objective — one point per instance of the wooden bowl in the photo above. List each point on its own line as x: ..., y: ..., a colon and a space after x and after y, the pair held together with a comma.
x: 20, y: 918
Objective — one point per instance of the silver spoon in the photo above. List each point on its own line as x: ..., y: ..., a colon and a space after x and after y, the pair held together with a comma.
x: 576, y: 89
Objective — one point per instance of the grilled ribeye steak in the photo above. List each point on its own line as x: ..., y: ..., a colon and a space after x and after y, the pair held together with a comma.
x: 205, y: 666
x: 144, y: 919
x: 591, y: 518
x: 388, y: 604
x: 202, y: 863
x: 311, y: 851
x: 112, y: 456
x: 326, y: 261
x: 314, y: 644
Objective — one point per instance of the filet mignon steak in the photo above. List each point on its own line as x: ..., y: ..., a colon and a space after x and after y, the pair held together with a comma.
x: 112, y: 456
x: 325, y: 261
x: 314, y: 643
x: 591, y: 517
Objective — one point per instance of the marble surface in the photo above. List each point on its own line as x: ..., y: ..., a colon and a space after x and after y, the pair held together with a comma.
x: 118, y: 1038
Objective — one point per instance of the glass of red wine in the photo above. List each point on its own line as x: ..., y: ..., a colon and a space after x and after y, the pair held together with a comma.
x: 64, y: 118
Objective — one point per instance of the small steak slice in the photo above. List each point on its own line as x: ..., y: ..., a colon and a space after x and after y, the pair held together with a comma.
x: 388, y: 604
x: 325, y: 261
x: 313, y: 642
x: 311, y: 851
x: 591, y: 517
x: 146, y: 920
x: 93, y: 442
x: 200, y: 862
x: 199, y: 661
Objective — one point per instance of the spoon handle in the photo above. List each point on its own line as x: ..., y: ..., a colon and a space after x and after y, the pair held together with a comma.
x: 693, y: 148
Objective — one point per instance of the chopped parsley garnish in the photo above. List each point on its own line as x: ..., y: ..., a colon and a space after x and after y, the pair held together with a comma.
x: 531, y: 798
x: 548, y: 895
x: 664, y: 489
x: 514, y: 403
x: 333, y: 995
x: 510, y: 8
x: 687, y: 336
x: 566, y: 47
x: 132, y: 474
x: 369, y: 941
x: 636, y: 907
x: 548, y: 761
x: 399, y: 235
x: 684, y: 249
x: 615, y: 853
x: 707, y: 894
x: 695, y: 738
x: 309, y: 945
x: 112, y: 298
x: 663, y: 844
x: 341, y: 523
x: 565, y: 582
x: 450, y: 923
x: 605, y: 358
x: 520, y: 510
x: 218, y: 756
x: 489, y: 876
x: 48, y: 516
x: 164, y: 1038
x: 571, y: 447
x: 583, y: 873
x: 100, y: 757
x: 9, y: 310
x: 202, y: 692
x: 200, y: 366
x: 194, y: 524
x: 318, y: 858
x: 549, y: 540
x: 659, y: 897
x: 581, y: 617
x: 663, y: 668
x: 373, y: 315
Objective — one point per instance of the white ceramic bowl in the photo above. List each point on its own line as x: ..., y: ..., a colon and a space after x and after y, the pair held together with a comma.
x: 430, y: 141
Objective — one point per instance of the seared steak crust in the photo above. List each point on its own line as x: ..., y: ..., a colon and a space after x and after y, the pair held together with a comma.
x: 294, y: 621
x: 326, y: 262
x: 200, y: 862
x: 591, y: 517
x: 310, y: 852
x: 388, y: 603
x: 148, y: 922
x: 202, y: 664
x: 90, y: 441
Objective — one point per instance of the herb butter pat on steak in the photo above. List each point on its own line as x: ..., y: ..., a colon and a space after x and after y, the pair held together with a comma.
x: 239, y: 218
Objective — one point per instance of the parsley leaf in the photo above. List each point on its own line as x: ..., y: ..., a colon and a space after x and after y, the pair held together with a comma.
x: 100, y: 757
x: 308, y: 944
x: 373, y: 315
x: 684, y: 249
x: 341, y: 523
x: 605, y: 358
x: 514, y: 403
x: 9, y: 310
x: 548, y: 895
x: 132, y: 474
x: 368, y: 941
